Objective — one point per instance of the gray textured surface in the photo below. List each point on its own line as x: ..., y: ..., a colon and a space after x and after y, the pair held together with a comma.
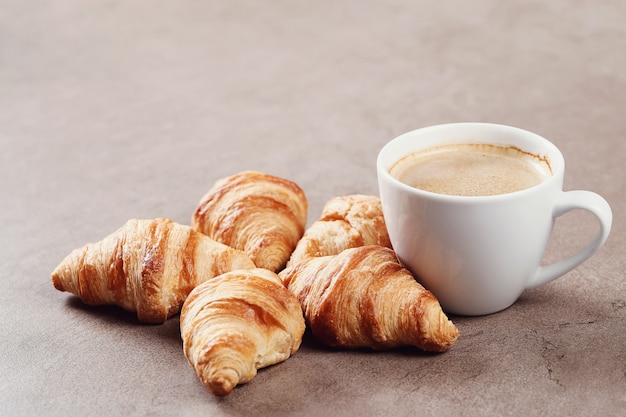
x: 111, y: 110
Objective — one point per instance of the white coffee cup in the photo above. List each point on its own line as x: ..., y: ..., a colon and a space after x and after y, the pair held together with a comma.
x: 477, y: 254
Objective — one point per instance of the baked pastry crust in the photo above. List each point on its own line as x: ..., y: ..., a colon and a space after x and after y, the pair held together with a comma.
x: 147, y: 266
x: 363, y: 297
x: 259, y: 214
x: 237, y: 323
x: 346, y: 222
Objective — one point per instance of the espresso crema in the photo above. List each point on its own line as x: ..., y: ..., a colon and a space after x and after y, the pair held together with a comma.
x: 471, y: 169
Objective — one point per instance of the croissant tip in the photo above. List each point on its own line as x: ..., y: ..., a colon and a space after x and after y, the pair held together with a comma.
x: 450, y: 338
x: 221, y: 385
x: 57, y: 282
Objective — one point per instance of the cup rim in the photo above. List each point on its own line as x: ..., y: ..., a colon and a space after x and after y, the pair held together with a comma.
x: 552, y: 153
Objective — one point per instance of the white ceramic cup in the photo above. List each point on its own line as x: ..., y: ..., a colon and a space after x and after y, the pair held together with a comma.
x: 478, y: 254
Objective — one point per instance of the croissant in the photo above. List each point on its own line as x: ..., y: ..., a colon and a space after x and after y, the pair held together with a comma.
x: 346, y: 222
x: 237, y: 323
x: 364, y: 298
x: 146, y: 266
x: 260, y: 214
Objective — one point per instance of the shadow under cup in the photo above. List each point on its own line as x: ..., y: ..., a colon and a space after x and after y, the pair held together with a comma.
x: 477, y: 254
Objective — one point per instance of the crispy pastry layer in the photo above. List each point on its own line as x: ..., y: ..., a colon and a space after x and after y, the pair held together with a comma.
x: 364, y: 298
x: 237, y: 323
x: 346, y: 222
x: 260, y: 214
x: 146, y: 266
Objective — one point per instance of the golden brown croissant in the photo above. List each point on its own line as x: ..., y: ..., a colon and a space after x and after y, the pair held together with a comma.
x: 237, y: 323
x: 260, y: 214
x: 346, y: 222
x: 147, y: 266
x: 364, y: 298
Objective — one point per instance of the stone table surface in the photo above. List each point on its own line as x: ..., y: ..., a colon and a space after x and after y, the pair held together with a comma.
x: 113, y: 110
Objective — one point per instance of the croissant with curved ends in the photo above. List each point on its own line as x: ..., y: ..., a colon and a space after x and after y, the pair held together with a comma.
x: 346, y: 222
x: 237, y: 323
x: 260, y: 214
x: 364, y: 298
x: 146, y: 266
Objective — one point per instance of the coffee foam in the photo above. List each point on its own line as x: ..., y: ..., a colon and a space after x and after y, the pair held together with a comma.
x: 472, y: 169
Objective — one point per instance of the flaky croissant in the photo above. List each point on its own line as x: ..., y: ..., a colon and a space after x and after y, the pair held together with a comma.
x: 237, y: 323
x: 364, y: 298
x: 346, y: 222
x: 146, y: 266
x: 260, y: 214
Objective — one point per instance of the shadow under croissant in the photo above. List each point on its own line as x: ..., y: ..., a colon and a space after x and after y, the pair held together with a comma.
x: 108, y: 313
x: 112, y: 314
x: 311, y: 343
x: 315, y: 369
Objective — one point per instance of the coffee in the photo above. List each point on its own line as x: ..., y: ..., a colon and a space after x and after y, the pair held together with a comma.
x: 471, y: 169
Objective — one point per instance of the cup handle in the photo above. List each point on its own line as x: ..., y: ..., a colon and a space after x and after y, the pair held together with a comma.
x: 571, y: 200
